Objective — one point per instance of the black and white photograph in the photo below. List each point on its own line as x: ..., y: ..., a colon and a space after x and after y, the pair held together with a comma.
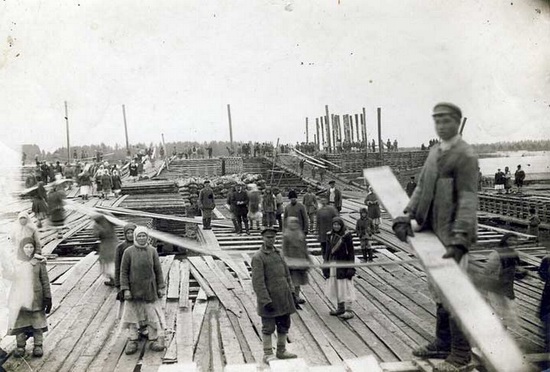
x: 275, y: 186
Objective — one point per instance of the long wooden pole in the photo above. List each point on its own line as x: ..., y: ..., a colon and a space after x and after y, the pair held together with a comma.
x: 307, y: 131
x: 379, y: 114
x: 357, y: 126
x: 365, y: 126
x: 318, y: 139
x: 230, y: 125
x: 125, y: 130
x: 323, y: 131
x: 67, y: 127
x: 327, y: 124
x: 463, y: 125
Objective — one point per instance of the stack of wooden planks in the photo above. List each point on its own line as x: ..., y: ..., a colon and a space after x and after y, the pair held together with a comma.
x: 150, y: 187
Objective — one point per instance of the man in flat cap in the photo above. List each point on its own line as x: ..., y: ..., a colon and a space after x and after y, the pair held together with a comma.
x: 274, y: 294
x: 445, y: 201
x: 334, y: 196
x: 207, y: 205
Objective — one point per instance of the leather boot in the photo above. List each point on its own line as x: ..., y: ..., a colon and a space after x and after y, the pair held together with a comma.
x: 282, y: 353
x: 268, y: 349
x: 21, y: 340
x: 158, y: 344
x: 340, y: 310
x: 38, y: 337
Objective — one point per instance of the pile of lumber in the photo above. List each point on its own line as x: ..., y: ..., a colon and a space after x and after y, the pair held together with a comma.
x: 149, y: 187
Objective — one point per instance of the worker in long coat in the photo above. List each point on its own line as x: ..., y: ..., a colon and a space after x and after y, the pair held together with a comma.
x: 207, y: 205
x: 445, y: 201
x: 334, y: 196
x: 298, y: 210
x: 274, y: 295
x: 105, y: 231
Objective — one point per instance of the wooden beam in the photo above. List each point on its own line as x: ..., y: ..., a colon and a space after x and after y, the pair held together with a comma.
x: 474, y: 315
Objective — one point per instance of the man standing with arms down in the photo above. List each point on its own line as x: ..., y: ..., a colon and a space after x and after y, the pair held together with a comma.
x: 207, y: 205
x: 334, y: 196
x: 274, y: 294
x: 445, y: 201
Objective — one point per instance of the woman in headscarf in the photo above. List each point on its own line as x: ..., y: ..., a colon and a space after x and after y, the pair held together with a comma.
x: 340, y: 287
x: 373, y: 208
x: 107, y: 247
x: 117, y: 182
x: 56, y: 208
x: 143, y: 284
x: 25, y: 228
x: 30, y: 298
x: 295, y: 247
x: 85, y: 182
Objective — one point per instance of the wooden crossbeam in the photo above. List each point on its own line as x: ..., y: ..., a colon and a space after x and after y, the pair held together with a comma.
x: 474, y: 315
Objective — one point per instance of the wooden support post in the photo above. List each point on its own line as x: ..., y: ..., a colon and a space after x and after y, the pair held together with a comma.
x: 365, y: 126
x: 380, y: 145
x: 334, y: 132
x: 327, y: 124
x: 322, y: 133
x: 317, y: 140
x: 357, y: 126
x: 128, y: 153
x: 230, y: 125
x: 351, y: 134
x: 307, y: 131
x: 67, y: 126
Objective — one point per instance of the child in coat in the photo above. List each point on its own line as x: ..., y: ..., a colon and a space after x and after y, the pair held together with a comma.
x: 143, y: 284
x: 364, y: 229
x: 310, y: 202
x: 295, y: 247
x: 30, y: 298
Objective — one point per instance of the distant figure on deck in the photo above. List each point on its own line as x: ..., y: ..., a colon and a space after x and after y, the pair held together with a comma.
x: 519, y: 177
x: 310, y: 202
x: 373, y: 207
x: 279, y: 207
x: 231, y: 205
x: 85, y: 182
x: 296, y: 209
x: 334, y: 196
x: 373, y: 145
x: 56, y: 208
x: 30, y: 299
x: 445, y: 201
x: 364, y: 229
x: 395, y: 145
x: 116, y: 182
x: 39, y: 203
x: 269, y: 207
x: 411, y: 185
x: 302, y: 164
x: 507, y: 180
x: 254, y: 202
x: 274, y: 295
x: 108, y: 242
x: 133, y: 169
x: 206, y: 204
x: 142, y: 281
x: 325, y: 215
x: 499, y: 181
x: 240, y: 201
x: 388, y: 145
x: 534, y: 223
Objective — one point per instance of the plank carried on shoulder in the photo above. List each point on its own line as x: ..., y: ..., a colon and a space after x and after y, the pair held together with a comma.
x: 476, y: 318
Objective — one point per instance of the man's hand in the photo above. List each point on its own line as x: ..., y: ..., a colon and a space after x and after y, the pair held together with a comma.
x: 269, y: 307
x: 455, y: 251
x: 402, y: 227
x: 161, y: 292
x: 47, y: 305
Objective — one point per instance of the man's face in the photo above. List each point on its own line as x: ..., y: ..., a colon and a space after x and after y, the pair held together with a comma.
x: 293, y: 201
x: 239, y: 188
x: 130, y: 235
x: 446, y: 126
x: 269, y: 239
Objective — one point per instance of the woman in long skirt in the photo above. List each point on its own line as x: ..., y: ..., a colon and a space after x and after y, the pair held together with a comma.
x: 340, y: 287
x: 107, y: 247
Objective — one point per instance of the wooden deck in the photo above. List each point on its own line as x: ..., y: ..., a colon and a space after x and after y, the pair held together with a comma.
x: 211, y: 313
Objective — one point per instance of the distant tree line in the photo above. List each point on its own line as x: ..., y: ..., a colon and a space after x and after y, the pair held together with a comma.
x: 527, y: 145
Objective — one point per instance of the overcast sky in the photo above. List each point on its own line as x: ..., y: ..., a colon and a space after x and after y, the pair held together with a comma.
x: 177, y: 64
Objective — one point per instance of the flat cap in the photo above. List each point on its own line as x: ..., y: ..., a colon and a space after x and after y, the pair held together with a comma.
x: 269, y: 229
x: 331, y: 182
x: 446, y: 108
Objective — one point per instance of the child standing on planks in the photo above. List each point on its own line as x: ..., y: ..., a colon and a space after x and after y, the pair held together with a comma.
x: 295, y: 247
x: 142, y: 281
x: 364, y: 229
x: 310, y: 202
x: 30, y: 299
x: 340, y: 287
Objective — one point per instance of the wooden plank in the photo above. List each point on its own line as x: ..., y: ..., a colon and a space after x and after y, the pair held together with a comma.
x: 180, y: 367
x: 72, y: 277
x: 170, y: 354
x: 216, y: 270
x: 456, y: 289
x: 184, y: 338
x: 198, y: 317
x: 231, y: 348
x: 320, y: 337
x: 288, y: 365
x: 174, y: 281
x: 364, y: 364
x: 407, y: 366
x: 128, y: 363
x: 251, y: 367
x: 215, y: 343
x: 184, y: 284
x: 220, y: 291
x: 203, y: 283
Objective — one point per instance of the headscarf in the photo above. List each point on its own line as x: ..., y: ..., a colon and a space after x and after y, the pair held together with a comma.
x: 21, y: 256
x: 341, y: 222
x: 137, y: 231
x: 128, y: 226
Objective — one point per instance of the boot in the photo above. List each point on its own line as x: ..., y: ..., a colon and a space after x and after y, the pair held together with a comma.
x: 268, y: 349
x: 246, y: 227
x: 365, y: 254
x: 158, y: 344
x: 282, y: 353
x: 21, y: 340
x: 235, y: 225
x: 38, y: 336
x: 371, y: 255
x: 209, y: 223
x: 340, y: 310
x: 131, y: 347
x: 348, y: 313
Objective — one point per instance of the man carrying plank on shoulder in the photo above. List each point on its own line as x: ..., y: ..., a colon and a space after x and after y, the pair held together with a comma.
x: 445, y: 201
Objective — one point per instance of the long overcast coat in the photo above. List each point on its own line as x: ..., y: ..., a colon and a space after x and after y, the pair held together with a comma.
x: 271, y: 282
x: 445, y: 198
